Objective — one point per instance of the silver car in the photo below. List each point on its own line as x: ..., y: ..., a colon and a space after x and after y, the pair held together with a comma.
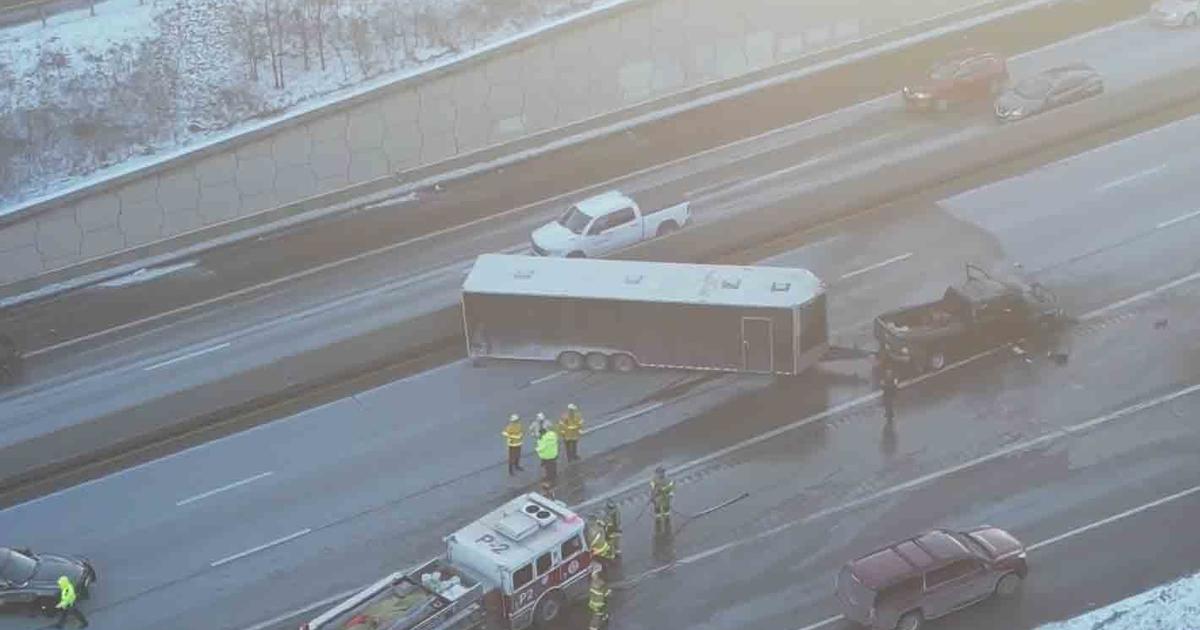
x: 1048, y: 89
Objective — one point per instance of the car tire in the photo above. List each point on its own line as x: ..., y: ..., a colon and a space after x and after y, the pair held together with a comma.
x: 1189, y: 20
x: 45, y: 605
x: 597, y: 362
x: 548, y: 610
x: 576, y: 254
x: 941, y: 105
x: 1008, y: 585
x: 624, y: 363
x: 936, y: 361
x: 571, y: 361
x: 911, y: 620
x: 666, y: 228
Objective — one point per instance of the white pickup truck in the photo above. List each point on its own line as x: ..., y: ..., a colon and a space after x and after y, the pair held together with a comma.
x: 606, y: 223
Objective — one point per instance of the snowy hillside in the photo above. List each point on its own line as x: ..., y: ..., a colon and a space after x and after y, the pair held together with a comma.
x: 147, y: 77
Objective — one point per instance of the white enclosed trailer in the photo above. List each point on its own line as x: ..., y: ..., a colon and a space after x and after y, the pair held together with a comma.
x: 624, y: 314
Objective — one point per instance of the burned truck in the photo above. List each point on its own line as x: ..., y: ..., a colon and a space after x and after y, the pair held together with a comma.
x: 980, y: 313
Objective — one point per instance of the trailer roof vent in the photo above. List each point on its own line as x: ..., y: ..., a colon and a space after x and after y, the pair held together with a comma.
x: 780, y: 286
x: 731, y: 283
x: 634, y: 278
x: 523, y: 274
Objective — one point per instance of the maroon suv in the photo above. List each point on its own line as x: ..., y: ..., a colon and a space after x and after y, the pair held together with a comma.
x: 962, y: 76
x: 902, y: 585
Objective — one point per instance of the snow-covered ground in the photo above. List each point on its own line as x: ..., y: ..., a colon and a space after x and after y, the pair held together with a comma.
x: 147, y: 78
x: 1173, y: 606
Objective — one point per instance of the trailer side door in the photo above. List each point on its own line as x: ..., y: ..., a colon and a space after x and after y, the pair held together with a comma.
x: 758, y: 352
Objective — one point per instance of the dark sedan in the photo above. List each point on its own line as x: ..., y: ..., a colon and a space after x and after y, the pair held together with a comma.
x: 31, y: 579
x: 1048, y: 89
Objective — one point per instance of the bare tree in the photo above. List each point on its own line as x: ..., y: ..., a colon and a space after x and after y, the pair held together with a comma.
x: 321, y: 34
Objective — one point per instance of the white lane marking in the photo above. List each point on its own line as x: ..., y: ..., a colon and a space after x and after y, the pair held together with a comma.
x: 878, y: 265
x: 1140, y: 296
x: 548, y: 377
x: 1178, y: 219
x: 1131, y: 178
x: 190, y: 355
x: 823, y: 622
x: 262, y: 547
x: 145, y: 274
x: 937, y: 475
x: 1064, y: 536
x: 236, y: 484
x: 629, y: 416
x: 1114, y: 518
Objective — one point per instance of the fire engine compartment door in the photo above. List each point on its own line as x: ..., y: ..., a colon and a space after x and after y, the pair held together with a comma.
x: 758, y: 351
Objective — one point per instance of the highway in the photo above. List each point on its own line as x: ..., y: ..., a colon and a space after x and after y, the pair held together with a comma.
x: 155, y: 373
x: 240, y: 530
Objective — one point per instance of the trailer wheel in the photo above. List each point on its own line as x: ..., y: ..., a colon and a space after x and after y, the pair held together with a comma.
x: 571, y: 361
x: 624, y: 363
x: 548, y: 610
x: 597, y: 362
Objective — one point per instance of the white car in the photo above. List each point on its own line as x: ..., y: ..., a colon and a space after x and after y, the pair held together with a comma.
x: 604, y: 224
x: 1175, y: 12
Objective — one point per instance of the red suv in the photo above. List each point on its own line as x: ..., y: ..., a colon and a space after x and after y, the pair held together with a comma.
x: 921, y: 578
x: 962, y: 76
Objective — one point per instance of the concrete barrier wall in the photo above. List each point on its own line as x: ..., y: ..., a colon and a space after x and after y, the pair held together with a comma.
x: 648, y: 50
x: 443, y: 324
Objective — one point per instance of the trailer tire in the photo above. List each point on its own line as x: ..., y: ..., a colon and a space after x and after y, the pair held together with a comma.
x: 624, y: 363
x: 666, y: 228
x: 571, y: 361
x: 548, y: 610
x: 597, y: 362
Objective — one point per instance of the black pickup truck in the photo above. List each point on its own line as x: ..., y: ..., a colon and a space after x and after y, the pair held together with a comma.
x: 980, y: 313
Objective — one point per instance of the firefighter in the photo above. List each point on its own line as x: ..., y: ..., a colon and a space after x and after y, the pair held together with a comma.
x: 570, y: 426
x: 889, y: 383
x: 598, y: 539
x: 612, y: 527
x: 514, y: 435
x: 547, y: 450
x: 661, y: 491
x: 598, y: 594
x: 66, y: 604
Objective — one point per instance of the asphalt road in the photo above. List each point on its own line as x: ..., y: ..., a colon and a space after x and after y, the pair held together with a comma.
x: 264, y: 522
x: 145, y: 373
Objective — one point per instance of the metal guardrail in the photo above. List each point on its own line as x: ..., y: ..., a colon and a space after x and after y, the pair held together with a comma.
x: 18, y: 11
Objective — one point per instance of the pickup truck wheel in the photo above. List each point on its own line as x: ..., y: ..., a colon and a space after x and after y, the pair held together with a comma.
x: 666, y: 228
x: 912, y: 620
x: 597, y: 362
x: 571, y: 361
x: 624, y: 363
x: 548, y: 610
x: 1008, y: 585
x: 936, y: 361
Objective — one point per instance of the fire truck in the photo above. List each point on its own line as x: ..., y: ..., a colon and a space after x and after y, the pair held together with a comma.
x: 516, y: 567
